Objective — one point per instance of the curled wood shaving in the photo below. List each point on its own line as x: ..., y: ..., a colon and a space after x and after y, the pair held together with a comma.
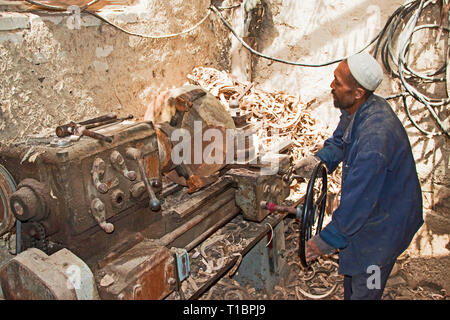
x: 209, y: 242
x: 281, y: 115
x: 234, y: 295
x: 236, y: 266
x: 192, y: 283
x: 196, y: 254
x: 315, y: 296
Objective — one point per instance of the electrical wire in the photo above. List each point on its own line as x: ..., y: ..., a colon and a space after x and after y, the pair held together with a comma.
x: 57, y: 8
x: 405, y: 18
x: 50, y: 7
x: 161, y: 36
x: 384, y: 40
x: 46, y: 6
x: 148, y: 35
x: 294, y: 63
x: 405, y: 71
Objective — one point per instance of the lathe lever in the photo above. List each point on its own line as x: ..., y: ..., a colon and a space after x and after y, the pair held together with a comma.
x: 118, y: 163
x: 98, y: 211
x: 97, y: 172
x: 136, y: 154
x: 311, y: 213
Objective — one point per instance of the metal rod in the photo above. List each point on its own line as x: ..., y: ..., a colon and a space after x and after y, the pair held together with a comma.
x: 154, y: 203
x: 96, y: 135
x: 273, y: 207
x: 212, y: 229
x: 18, y: 236
x: 102, y: 123
x: 103, y: 118
x: 172, y: 236
x: 233, y: 261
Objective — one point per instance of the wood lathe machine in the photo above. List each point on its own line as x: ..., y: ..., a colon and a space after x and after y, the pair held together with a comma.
x: 102, y: 211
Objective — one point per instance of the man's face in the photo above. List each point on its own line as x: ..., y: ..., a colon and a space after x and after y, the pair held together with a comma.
x: 342, y: 87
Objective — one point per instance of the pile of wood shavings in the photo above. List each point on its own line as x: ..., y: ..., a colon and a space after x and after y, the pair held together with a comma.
x: 320, y: 282
x: 277, y: 115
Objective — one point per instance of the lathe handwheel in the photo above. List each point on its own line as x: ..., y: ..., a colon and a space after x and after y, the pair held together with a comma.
x: 313, y: 210
x: 7, y: 187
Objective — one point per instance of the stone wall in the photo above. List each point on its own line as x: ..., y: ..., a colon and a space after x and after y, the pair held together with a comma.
x: 54, y: 69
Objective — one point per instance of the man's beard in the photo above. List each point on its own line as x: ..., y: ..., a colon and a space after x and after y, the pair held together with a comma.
x: 338, y: 104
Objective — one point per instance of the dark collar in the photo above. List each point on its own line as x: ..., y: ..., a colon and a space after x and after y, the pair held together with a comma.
x: 347, y: 137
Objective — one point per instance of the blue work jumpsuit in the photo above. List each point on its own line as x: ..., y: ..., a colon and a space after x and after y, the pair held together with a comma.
x: 381, y: 200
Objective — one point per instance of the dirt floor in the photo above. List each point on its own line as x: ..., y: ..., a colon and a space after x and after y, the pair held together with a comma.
x: 412, y: 278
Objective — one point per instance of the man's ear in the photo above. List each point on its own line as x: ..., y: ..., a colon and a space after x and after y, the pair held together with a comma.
x: 359, y: 93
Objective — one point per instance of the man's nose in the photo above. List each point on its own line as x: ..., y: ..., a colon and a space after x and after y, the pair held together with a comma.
x: 332, y: 85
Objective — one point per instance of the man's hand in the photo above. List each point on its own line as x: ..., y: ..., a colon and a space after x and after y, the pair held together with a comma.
x: 312, y: 251
x: 316, y: 247
x: 305, y: 166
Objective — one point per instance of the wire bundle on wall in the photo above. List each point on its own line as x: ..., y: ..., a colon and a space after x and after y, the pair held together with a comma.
x: 385, y: 41
x: 409, y: 14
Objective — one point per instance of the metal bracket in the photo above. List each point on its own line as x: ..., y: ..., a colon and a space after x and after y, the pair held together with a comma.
x: 182, y: 261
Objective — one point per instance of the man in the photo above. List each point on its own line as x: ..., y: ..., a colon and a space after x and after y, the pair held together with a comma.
x: 381, y: 201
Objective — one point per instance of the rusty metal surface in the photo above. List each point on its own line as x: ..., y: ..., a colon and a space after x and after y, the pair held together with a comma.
x: 69, y: 188
x: 227, y: 197
x: 238, y: 237
x: 7, y: 187
x: 165, y: 151
x: 143, y: 272
x: 95, y: 197
x: 31, y: 276
x: 254, y: 188
x: 184, y: 204
x: 197, y: 106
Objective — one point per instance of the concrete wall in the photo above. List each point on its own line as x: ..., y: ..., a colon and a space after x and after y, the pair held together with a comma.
x: 53, y: 70
x: 320, y: 31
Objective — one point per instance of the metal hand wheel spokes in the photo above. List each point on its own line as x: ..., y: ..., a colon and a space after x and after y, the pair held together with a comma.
x: 313, y: 210
x: 7, y: 187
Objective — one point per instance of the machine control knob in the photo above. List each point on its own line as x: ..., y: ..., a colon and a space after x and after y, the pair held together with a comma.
x: 99, y: 214
x: 29, y: 201
x: 97, y: 172
x: 156, y: 183
x: 118, y: 162
x: 137, y: 189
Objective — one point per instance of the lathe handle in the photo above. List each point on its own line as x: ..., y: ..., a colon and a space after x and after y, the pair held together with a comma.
x: 99, y: 214
x: 136, y: 154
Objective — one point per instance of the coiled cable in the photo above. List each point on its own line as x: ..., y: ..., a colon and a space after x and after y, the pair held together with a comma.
x: 397, y: 65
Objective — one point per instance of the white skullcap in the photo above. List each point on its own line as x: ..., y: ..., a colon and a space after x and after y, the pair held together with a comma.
x: 366, y: 70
